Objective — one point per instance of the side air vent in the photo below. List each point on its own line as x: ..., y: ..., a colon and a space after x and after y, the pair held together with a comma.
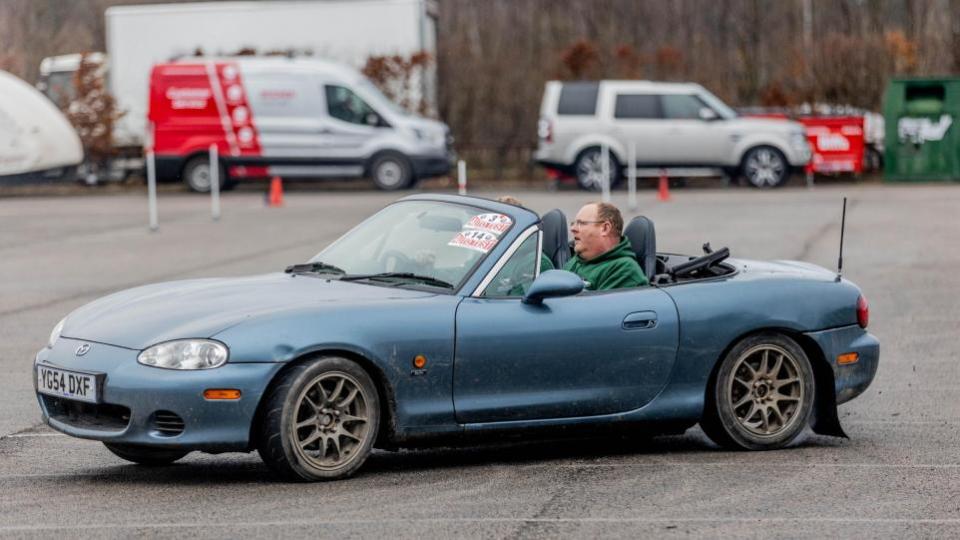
x: 167, y: 424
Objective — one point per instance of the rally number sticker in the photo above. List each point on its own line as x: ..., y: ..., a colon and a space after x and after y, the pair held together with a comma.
x: 481, y: 241
x: 493, y: 223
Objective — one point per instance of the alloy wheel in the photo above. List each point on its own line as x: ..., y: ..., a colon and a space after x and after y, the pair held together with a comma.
x: 766, y: 390
x: 331, y: 421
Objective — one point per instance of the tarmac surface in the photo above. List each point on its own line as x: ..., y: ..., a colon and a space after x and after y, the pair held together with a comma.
x: 897, y: 476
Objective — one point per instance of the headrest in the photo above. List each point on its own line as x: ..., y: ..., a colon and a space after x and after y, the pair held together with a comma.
x: 555, y: 244
x: 643, y: 238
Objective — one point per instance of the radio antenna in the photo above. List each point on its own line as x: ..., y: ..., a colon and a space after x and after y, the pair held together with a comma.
x: 843, y: 223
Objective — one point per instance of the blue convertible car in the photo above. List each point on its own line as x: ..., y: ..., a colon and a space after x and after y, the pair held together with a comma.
x: 430, y: 321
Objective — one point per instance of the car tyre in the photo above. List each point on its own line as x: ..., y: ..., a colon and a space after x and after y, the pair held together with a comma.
x: 762, y: 395
x: 196, y: 175
x: 145, y: 455
x: 765, y: 167
x: 391, y: 171
x: 320, y: 420
x: 588, y: 170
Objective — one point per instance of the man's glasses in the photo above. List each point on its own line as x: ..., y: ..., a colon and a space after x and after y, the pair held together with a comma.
x: 581, y: 223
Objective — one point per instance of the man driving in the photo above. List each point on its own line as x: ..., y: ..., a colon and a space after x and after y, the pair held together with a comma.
x: 604, y: 257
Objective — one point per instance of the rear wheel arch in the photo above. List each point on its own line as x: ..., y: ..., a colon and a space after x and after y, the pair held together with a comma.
x: 823, y: 419
x: 387, y: 430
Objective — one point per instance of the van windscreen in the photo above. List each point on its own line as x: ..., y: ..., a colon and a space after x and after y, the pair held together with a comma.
x: 578, y: 98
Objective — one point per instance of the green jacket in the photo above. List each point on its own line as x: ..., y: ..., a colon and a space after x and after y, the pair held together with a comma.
x: 615, y: 269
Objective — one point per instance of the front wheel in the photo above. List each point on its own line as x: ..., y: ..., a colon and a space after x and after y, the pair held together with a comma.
x: 765, y: 166
x: 320, y: 420
x: 391, y: 171
x: 145, y: 455
x: 762, y: 396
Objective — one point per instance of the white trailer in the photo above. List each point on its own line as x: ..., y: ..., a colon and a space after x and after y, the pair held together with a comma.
x: 36, y: 140
x: 346, y: 31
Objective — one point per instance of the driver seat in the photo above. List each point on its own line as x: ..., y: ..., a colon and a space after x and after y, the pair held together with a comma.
x: 555, y: 244
x: 643, y: 238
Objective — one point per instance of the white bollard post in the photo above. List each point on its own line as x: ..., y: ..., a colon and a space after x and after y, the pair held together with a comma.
x: 152, y: 191
x: 605, y: 171
x: 462, y: 177
x: 632, y: 176
x: 214, y: 183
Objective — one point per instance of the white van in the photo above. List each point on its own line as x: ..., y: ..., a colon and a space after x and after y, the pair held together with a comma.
x: 671, y: 125
x: 287, y: 117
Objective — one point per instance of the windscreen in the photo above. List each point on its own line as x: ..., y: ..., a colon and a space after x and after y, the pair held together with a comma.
x: 443, y: 241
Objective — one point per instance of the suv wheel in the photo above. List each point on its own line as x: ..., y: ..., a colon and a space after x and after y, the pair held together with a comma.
x: 765, y: 166
x: 589, y: 170
x: 391, y: 171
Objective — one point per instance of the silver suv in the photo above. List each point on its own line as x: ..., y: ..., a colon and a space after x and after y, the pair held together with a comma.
x: 670, y: 125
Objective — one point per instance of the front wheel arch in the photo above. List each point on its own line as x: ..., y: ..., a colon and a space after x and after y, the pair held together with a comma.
x: 386, y: 433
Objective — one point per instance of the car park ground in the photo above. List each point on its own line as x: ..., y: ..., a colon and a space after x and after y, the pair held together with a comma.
x: 897, y: 476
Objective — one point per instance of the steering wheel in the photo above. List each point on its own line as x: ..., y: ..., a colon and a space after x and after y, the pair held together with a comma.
x: 402, y: 262
x: 699, y: 263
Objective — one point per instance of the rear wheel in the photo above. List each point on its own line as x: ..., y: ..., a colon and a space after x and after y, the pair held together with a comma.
x: 320, y: 420
x: 762, y: 395
x: 196, y: 175
x: 765, y: 166
x: 589, y: 170
x: 145, y: 455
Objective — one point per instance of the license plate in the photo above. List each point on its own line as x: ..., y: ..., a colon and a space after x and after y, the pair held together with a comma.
x: 68, y: 384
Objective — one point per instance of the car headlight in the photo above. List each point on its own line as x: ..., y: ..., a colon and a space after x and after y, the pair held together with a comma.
x: 55, y: 334
x: 185, y: 354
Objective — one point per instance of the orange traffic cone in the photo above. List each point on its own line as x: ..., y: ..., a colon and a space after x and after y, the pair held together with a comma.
x: 663, y: 192
x: 275, y: 198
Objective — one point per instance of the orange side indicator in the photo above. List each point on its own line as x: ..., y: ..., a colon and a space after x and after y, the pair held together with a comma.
x: 420, y: 361
x: 221, y: 393
x: 848, y: 358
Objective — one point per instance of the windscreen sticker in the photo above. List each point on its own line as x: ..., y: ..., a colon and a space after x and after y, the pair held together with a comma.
x: 494, y: 223
x: 481, y: 241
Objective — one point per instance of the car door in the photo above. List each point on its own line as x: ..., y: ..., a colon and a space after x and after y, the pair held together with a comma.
x: 687, y: 138
x: 591, y: 354
x: 637, y: 119
x: 284, y: 108
x: 351, y: 124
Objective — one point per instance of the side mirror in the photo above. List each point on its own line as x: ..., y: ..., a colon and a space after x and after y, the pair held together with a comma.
x: 372, y: 119
x: 553, y: 284
x: 708, y: 114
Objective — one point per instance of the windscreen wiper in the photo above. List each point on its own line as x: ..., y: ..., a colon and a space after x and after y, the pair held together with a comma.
x: 427, y: 280
x: 318, y: 267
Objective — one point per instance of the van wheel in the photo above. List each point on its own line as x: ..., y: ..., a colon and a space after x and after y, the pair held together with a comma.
x: 589, y: 170
x: 391, y: 171
x: 762, y: 396
x: 765, y: 166
x: 196, y: 174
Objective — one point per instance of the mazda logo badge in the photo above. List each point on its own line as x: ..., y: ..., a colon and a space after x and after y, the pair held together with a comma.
x: 83, y: 349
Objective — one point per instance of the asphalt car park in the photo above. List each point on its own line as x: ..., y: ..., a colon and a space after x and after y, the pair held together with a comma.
x: 897, y: 475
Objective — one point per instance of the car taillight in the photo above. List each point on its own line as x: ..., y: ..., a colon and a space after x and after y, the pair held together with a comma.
x: 545, y: 130
x: 863, y: 312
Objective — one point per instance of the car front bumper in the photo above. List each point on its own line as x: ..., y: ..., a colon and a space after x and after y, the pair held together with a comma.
x: 132, y: 395
x: 852, y: 379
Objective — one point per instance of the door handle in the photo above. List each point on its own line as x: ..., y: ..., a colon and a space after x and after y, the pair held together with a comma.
x: 640, y: 320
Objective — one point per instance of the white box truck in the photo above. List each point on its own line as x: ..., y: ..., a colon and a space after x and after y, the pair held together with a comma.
x: 345, y: 31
